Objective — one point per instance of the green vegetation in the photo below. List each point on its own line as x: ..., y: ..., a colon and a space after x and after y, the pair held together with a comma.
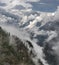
x: 14, y: 53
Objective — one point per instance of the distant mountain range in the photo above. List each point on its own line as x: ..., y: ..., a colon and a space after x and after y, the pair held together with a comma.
x: 35, y: 22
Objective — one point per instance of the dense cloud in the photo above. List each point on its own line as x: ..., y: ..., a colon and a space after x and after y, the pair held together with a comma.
x: 38, y: 21
x: 37, y: 5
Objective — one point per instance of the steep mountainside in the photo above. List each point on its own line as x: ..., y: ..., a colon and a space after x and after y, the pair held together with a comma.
x: 13, y: 51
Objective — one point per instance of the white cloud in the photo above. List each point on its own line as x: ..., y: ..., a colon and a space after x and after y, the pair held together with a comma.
x: 5, y: 1
x: 33, y: 0
x: 43, y: 17
x: 52, y: 34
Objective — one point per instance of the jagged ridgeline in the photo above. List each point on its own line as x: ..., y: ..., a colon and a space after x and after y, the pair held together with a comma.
x: 13, y: 51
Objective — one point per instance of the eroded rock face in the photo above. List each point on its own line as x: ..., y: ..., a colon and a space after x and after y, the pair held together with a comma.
x: 13, y: 51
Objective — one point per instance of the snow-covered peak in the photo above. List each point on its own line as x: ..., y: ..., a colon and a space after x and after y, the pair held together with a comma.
x: 36, y: 20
